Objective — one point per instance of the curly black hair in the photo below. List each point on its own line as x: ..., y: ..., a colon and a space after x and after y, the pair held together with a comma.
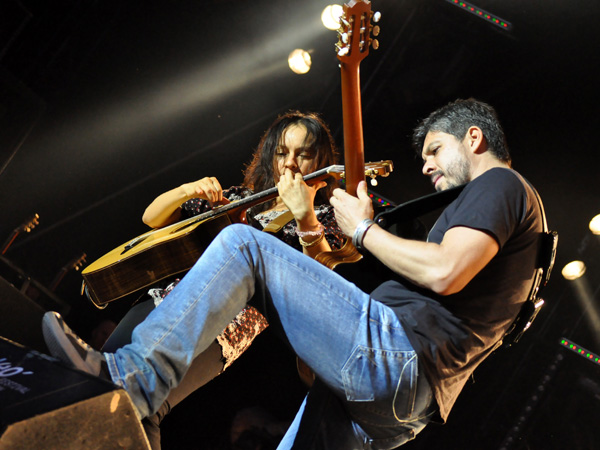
x: 456, y: 117
x: 259, y: 174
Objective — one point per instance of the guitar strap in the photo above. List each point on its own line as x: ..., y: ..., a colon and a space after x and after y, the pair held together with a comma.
x: 547, y: 253
x: 279, y: 222
x: 545, y: 262
x: 417, y: 207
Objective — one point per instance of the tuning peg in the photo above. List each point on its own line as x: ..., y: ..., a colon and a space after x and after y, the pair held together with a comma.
x: 376, y: 30
x: 342, y: 51
x: 376, y: 16
x: 374, y: 182
x: 374, y: 44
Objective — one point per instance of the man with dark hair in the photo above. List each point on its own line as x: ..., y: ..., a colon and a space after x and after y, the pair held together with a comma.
x: 388, y: 362
x: 456, y: 118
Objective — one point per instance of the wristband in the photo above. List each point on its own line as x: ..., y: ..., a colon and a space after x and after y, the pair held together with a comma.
x: 359, y: 234
x: 302, y: 234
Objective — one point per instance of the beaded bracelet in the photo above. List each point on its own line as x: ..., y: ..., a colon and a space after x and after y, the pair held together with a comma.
x: 302, y: 234
x: 359, y: 234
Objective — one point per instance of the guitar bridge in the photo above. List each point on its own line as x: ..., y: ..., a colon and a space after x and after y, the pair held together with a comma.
x: 133, y: 243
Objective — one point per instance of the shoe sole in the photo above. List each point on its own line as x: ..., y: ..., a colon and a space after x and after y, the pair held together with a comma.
x: 57, y: 336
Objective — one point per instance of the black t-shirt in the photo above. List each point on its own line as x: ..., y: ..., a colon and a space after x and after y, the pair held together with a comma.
x: 453, y: 334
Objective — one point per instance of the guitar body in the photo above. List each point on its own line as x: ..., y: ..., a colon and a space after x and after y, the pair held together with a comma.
x: 159, y: 254
x: 332, y: 259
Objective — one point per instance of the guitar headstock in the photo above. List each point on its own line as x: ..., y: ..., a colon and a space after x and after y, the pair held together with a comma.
x: 76, y: 263
x: 372, y: 170
x: 356, y: 28
x: 378, y: 169
x: 25, y: 227
x: 29, y: 224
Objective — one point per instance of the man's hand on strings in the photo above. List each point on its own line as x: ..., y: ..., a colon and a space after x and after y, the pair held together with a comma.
x: 350, y: 210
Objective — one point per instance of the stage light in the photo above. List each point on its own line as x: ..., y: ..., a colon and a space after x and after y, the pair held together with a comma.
x: 595, y: 225
x: 299, y: 61
x: 482, y: 14
x: 573, y: 270
x: 331, y: 16
x: 590, y: 356
x: 584, y: 294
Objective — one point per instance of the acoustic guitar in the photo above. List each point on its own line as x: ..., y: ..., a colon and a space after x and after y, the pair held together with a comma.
x: 168, y: 251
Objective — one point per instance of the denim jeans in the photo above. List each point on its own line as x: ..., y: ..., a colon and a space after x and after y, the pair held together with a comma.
x: 369, y: 393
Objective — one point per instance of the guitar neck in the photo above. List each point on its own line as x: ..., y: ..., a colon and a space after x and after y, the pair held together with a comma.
x: 57, y: 279
x: 354, y: 154
x: 353, y: 46
x: 264, y: 196
x: 9, y: 242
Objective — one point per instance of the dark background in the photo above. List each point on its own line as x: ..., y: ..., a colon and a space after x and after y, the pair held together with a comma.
x: 106, y: 104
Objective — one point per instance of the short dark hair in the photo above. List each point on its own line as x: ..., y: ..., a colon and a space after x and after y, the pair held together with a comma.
x: 259, y: 173
x: 456, y: 117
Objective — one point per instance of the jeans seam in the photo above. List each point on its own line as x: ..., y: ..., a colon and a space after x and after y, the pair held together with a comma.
x: 190, y: 306
x: 413, y: 391
x: 114, y: 369
x: 315, y: 280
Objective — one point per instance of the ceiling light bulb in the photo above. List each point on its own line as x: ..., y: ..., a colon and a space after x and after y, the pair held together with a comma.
x: 573, y: 270
x: 595, y: 225
x: 331, y: 16
x: 299, y: 61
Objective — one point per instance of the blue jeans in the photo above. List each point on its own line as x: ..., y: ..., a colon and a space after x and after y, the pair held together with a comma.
x: 369, y: 393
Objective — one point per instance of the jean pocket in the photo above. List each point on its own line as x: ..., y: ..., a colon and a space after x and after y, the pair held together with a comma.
x: 374, y: 374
